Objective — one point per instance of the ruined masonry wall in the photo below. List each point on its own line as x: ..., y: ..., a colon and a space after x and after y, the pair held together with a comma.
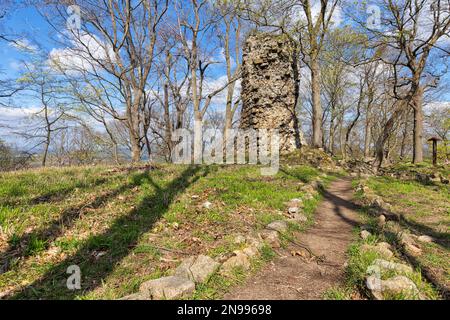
x: 270, y: 87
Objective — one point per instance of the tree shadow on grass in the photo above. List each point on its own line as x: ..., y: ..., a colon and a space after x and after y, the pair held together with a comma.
x: 55, y: 195
x: 117, y: 242
x: 45, y: 235
x: 305, y: 178
x: 440, y: 238
x: 61, y: 194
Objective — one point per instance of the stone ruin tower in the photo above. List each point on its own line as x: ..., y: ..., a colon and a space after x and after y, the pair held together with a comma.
x: 270, y: 87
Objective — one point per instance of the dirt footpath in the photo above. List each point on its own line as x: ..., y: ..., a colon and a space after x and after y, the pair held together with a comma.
x: 289, y: 277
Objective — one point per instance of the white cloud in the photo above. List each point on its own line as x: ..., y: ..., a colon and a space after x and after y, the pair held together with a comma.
x: 16, y: 65
x: 297, y: 13
x: 18, y: 113
x: 436, y: 106
x: 221, y: 57
x: 83, y: 54
x: 24, y: 45
x: 212, y: 84
x: 14, y: 119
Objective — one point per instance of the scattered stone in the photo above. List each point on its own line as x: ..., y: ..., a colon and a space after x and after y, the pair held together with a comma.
x: 239, y: 239
x: 309, y: 189
x: 381, y: 221
x: 384, y: 245
x: 207, y: 205
x: 256, y: 243
x: 378, y: 202
x: 250, y: 252
x: 279, y: 225
x: 239, y: 260
x: 296, y: 202
x: 293, y: 210
x: 5, y: 293
x: 271, y: 237
x: 389, y: 265
x: 425, y: 238
x: 171, y: 287
x: 380, y: 248
x: 194, y: 197
x: 197, y: 269
x: 308, y: 196
x: 406, y: 238
x: 396, y: 285
x: 98, y: 254
x: 365, y: 234
x: 299, y: 217
x: 135, y: 296
x: 413, y: 250
x: 409, y: 244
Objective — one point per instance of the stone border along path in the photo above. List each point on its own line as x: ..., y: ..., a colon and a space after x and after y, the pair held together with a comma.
x: 410, y: 245
x: 198, y: 269
x: 291, y: 277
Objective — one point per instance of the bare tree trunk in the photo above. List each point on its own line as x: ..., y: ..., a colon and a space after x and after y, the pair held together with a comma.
x: 404, y: 137
x: 331, y: 146
x: 316, y: 104
x: 384, y: 136
x: 418, y: 126
x: 342, y: 137
x: 168, y: 123
x: 367, y: 134
x: 116, y: 153
x: 135, y: 143
x: 47, y: 145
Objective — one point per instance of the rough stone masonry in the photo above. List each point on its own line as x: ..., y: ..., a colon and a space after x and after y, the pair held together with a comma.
x: 270, y: 87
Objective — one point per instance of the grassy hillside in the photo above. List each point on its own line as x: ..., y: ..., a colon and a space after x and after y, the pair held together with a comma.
x: 123, y: 226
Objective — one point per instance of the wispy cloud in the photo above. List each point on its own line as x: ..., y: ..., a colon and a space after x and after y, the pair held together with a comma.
x: 24, y: 45
x: 81, y: 55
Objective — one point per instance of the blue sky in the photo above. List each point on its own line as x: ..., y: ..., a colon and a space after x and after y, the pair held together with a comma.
x: 30, y: 25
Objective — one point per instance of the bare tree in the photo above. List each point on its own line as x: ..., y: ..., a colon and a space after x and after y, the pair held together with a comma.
x: 413, y: 30
x: 115, y: 51
x: 231, y: 37
x: 42, y: 85
x: 195, y: 20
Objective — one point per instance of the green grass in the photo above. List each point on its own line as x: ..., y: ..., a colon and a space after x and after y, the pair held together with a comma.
x: 426, y: 210
x: 337, y: 293
x: 360, y: 260
x: 123, y: 227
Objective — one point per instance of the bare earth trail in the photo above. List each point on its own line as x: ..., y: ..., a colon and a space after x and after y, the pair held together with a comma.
x: 289, y: 277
